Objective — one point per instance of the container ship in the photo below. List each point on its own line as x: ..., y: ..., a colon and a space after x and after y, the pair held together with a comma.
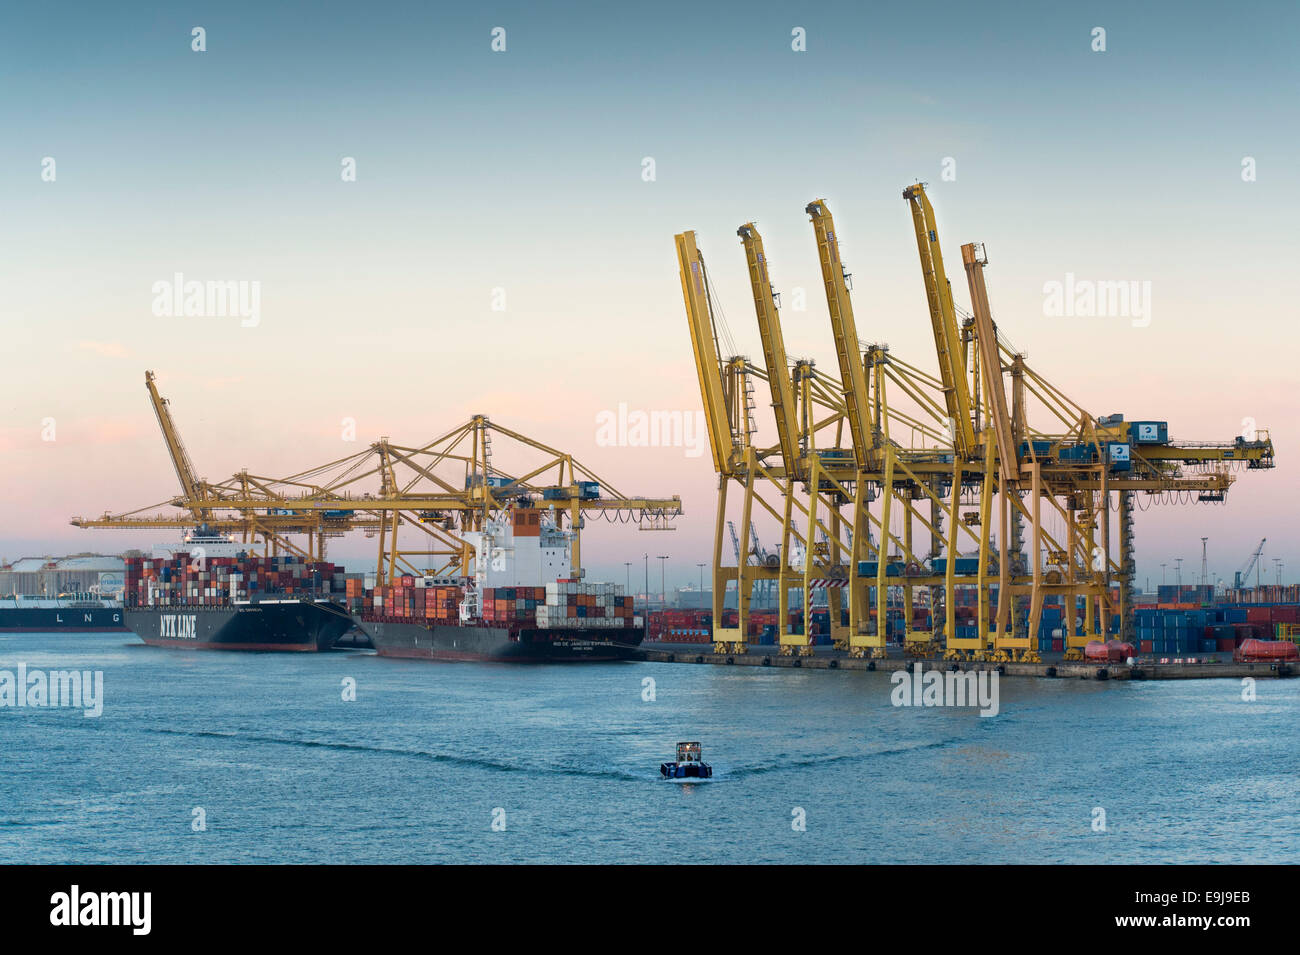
x: 496, y: 616
x: 82, y: 613
x: 208, y: 593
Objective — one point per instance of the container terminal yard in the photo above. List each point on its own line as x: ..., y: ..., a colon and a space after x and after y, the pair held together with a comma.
x: 977, y: 515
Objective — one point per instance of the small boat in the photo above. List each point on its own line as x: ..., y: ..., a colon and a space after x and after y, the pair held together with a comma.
x: 689, y: 765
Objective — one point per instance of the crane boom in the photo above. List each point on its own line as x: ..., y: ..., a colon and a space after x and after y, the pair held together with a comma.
x: 190, y: 486
x: 774, y: 355
x: 986, y: 339
x: 704, y: 342
x: 943, y: 319
x: 845, y: 332
x: 1250, y: 564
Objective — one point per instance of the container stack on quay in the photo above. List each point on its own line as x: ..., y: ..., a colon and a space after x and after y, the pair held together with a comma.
x: 680, y: 626
x: 181, y: 581
x: 1265, y: 594
x: 696, y: 626
x: 1196, y: 594
x: 1189, y: 629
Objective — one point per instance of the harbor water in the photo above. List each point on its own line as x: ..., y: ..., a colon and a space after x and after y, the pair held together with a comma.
x: 259, y: 758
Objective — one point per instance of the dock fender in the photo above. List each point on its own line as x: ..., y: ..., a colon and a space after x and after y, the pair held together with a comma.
x: 797, y: 662
x: 699, y: 659
x: 731, y: 661
x: 1050, y: 671
x: 871, y: 666
x: 767, y: 661
x: 1103, y: 673
x: 834, y: 664
x: 1001, y: 670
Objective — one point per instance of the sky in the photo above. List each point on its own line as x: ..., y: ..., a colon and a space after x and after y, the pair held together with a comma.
x: 517, y: 177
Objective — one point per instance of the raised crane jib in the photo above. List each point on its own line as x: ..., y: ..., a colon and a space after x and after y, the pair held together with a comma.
x: 844, y: 330
x: 190, y: 485
x: 699, y: 317
x: 986, y: 340
x: 943, y: 319
x: 774, y: 356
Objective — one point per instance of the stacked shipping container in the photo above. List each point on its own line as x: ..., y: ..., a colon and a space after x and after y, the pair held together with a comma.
x: 1214, y: 629
x: 571, y: 602
x: 183, y: 581
x: 566, y: 603
x: 436, y: 599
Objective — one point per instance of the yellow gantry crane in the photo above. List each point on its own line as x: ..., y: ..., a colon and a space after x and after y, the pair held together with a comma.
x: 791, y: 464
x: 704, y: 338
x: 191, y: 487
x: 437, y: 491
x: 766, y: 307
x: 866, y: 436
x: 804, y: 403
x: 886, y: 442
x: 947, y: 338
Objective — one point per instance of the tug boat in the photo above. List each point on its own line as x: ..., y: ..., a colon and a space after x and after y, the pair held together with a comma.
x: 688, y: 765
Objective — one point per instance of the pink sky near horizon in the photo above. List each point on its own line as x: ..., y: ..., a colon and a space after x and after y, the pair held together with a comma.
x: 253, y: 410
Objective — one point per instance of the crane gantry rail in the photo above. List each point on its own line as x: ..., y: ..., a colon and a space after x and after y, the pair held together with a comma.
x: 977, y: 471
x: 439, y: 490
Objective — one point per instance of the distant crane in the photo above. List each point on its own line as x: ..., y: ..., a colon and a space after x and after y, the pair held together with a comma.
x: 796, y: 548
x: 763, y: 559
x: 1252, y: 564
x: 756, y: 556
x: 735, y: 541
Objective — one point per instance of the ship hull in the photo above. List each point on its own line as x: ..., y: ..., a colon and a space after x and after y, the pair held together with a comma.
x: 61, y: 620
x: 436, y: 641
x: 291, y: 626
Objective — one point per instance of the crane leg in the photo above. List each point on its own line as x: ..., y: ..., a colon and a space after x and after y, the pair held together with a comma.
x: 1127, y: 567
